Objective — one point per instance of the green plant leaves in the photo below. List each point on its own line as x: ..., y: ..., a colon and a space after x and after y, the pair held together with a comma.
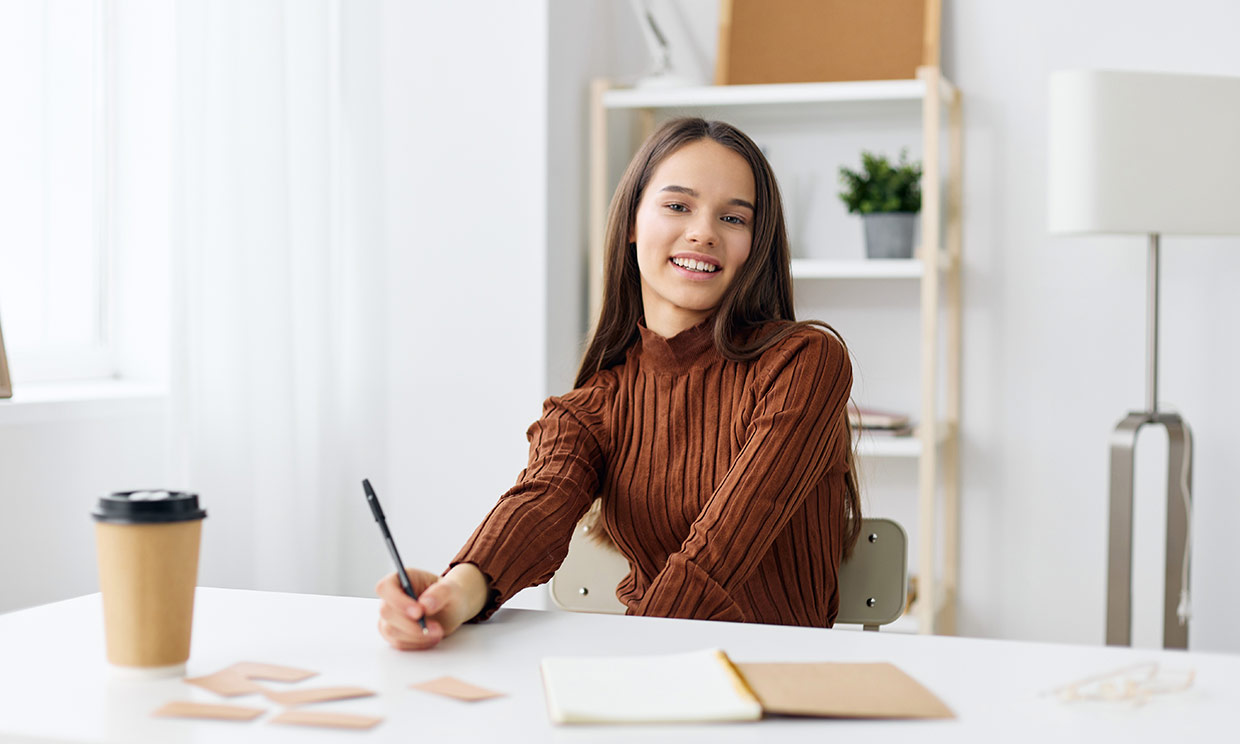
x: 880, y: 186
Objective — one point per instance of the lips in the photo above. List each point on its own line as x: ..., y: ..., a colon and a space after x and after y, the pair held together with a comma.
x: 696, y: 263
x: 692, y: 265
x: 693, y: 274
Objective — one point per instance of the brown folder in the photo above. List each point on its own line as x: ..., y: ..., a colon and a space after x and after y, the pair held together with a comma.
x: 836, y: 690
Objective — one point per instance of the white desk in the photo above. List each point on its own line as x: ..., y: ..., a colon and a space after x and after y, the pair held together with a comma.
x: 56, y: 686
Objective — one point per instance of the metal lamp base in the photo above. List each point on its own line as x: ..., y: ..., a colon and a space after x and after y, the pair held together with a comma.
x: 1119, y: 562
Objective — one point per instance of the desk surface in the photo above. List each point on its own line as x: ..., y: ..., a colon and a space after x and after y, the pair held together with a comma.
x: 55, y: 685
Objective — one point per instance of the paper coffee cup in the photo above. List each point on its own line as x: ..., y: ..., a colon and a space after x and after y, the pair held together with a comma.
x: 148, y: 569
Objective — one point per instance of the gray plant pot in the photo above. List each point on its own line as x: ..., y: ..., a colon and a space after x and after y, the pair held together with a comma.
x: 889, y: 234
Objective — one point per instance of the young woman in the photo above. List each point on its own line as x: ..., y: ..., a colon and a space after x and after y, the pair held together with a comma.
x: 709, y: 423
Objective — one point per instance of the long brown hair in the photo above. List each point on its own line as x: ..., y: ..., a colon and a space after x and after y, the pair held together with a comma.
x: 760, y: 293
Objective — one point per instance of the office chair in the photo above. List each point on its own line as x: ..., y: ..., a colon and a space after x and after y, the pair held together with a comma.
x: 872, y: 581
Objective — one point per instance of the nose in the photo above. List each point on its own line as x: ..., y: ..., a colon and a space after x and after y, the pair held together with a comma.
x: 703, y: 231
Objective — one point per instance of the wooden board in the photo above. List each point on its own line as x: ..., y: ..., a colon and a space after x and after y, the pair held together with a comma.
x: 803, y: 41
x: 6, y: 387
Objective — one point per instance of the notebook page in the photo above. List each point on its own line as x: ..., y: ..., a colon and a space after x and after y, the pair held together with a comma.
x: 675, y: 688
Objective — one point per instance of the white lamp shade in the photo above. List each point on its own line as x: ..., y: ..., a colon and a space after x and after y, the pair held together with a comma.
x: 1139, y: 152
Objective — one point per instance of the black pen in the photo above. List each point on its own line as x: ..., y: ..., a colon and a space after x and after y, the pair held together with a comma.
x: 405, y: 583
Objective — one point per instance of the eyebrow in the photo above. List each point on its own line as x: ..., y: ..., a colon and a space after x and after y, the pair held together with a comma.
x: 691, y: 192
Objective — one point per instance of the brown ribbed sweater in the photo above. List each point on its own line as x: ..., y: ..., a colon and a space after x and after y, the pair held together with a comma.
x: 723, y: 483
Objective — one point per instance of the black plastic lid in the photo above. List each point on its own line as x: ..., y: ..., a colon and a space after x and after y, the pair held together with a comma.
x: 147, y: 507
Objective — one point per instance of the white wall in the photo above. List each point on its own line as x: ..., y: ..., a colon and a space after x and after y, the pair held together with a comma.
x: 1054, y: 335
x: 55, y: 460
x: 465, y: 150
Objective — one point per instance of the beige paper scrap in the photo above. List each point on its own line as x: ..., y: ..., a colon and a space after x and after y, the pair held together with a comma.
x: 274, y: 672
x: 214, y: 711
x: 226, y: 683
x: 330, y: 720
x: 316, y: 695
x: 456, y: 688
x: 835, y: 690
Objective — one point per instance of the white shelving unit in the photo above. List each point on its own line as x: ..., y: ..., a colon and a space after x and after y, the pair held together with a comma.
x: 935, y: 446
x: 871, y: 444
x: 809, y: 268
x: 791, y: 94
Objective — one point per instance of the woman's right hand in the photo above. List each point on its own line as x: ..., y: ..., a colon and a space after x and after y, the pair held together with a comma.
x: 445, y: 602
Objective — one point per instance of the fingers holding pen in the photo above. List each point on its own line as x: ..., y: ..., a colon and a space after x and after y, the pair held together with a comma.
x: 435, y: 598
x: 444, y: 602
x: 399, y: 591
x: 399, y: 614
x: 404, y: 639
x: 399, y: 626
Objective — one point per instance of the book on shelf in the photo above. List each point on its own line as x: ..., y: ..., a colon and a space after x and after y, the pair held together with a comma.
x: 903, y: 431
x: 872, y: 419
x: 706, y: 686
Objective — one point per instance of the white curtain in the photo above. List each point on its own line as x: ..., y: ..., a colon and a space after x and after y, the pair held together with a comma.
x: 278, y: 359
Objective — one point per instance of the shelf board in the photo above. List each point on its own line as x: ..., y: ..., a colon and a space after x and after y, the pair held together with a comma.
x: 897, y: 268
x: 869, y: 444
x: 763, y: 95
x: 886, y: 445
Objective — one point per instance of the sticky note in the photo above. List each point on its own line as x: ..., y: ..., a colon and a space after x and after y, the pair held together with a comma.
x: 214, y: 711
x: 276, y: 673
x: 456, y: 688
x: 316, y: 695
x: 226, y: 683
x: 330, y: 720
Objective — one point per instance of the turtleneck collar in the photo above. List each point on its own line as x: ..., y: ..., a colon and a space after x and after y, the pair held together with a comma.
x: 686, y: 349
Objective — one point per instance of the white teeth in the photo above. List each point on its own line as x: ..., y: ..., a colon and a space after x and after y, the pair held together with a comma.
x: 689, y: 263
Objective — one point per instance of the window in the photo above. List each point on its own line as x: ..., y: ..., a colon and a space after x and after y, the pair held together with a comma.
x: 55, y: 144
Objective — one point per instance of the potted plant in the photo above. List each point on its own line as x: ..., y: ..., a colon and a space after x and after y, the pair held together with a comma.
x: 888, y: 198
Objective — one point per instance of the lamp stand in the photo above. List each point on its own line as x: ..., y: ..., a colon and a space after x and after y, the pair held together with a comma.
x: 1179, y: 472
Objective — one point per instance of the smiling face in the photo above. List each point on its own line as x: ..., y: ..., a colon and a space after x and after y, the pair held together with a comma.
x: 693, y: 229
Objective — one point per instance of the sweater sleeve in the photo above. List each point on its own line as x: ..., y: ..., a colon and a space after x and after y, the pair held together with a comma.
x: 524, y: 538
x: 793, y: 430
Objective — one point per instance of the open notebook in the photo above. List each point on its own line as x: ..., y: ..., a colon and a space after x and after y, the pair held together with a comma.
x: 697, y: 686
x: 705, y: 686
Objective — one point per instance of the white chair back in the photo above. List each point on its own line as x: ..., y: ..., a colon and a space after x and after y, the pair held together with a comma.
x: 872, y: 582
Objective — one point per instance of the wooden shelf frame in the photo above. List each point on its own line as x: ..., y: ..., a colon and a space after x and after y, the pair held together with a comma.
x: 936, y: 448
x: 940, y: 464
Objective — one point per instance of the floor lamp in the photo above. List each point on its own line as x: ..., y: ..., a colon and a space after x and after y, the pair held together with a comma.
x: 1149, y: 154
